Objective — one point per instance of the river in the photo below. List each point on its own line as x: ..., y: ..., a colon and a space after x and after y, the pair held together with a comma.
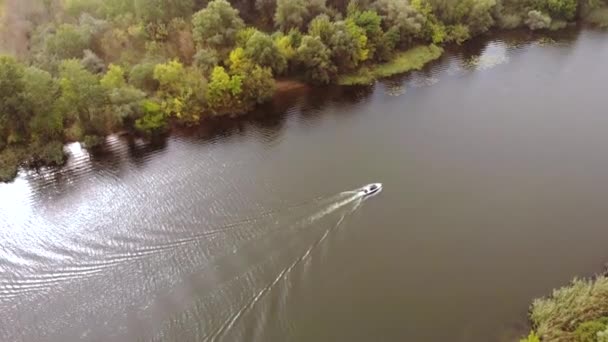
x: 495, y: 170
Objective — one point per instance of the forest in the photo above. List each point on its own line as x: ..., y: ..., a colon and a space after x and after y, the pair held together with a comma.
x: 78, y: 70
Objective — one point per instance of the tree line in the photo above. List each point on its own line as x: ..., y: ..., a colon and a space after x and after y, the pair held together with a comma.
x: 77, y: 70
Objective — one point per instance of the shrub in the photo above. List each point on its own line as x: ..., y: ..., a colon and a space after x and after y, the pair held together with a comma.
x: 92, y: 62
x: 458, y: 34
x: 206, y: 60
x: 598, y: 17
x: 562, y: 316
x: 509, y: 21
x: 537, y: 20
x: 153, y: 120
x: 602, y: 336
x: 92, y: 141
x: 10, y: 159
x: 587, y: 331
x: 142, y: 77
x: 51, y: 154
x: 532, y: 337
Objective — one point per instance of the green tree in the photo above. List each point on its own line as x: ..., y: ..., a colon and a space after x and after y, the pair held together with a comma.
x: 262, y: 50
x: 371, y: 23
x: 114, y: 78
x: 537, y: 20
x: 238, y: 61
x: 84, y: 100
x: 114, y: 8
x: 322, y: 26
x: 162, y: 11
x: 217, y: 25
x: 287, y: 48
x: 562, y: 9
x: 92, y: 62
x: 257, y: 83
x: 76, y: 7
x: 124, y: 98
x: 14, y: 116
x: 224, y: 92
x: 153, y: 120
x: 243, y: 36
x: 266, y: 10
x: 291, y: 14
x: 403, y: 17
x: 142, y: 77
x: 181, y: 91
x: 475, y: 14
x: 346, y: 41
x: 258, y: 86
x: 69, y: 41
x: 170, y: 75
x: 315, y: 60
x: 206, y: 60
x: 349, y: 45
x: 41, y: 92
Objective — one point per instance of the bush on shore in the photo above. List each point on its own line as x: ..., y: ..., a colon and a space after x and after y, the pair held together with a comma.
x: 79, y: 70
x: 574, y: 313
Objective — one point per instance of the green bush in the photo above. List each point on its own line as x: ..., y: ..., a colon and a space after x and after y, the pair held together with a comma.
x: 598, y: 17
x: 532, y: 337
x: 510, y: 21
x: 572, y: 311
x: 602, y: 336
x: 153, y: 120
x: 587, y: 331
x: 142, y: 77
x: 74, y: 132
x: 10, y: 160
x: 538, y: 20
x: 50, y: 154
x: 92, y: 141
x: 458, y: 34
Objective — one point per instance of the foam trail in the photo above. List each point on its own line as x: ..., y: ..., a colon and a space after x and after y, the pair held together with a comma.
x: 226, y: 280
x: 25, y: 285
x: 248, y: 306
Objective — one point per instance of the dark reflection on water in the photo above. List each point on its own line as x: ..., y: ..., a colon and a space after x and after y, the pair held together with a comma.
x: 493, y: 160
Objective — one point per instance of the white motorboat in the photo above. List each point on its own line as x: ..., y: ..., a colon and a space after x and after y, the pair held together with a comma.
x: 371, y: 189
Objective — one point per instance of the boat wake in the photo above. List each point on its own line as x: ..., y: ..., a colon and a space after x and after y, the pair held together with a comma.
x: 239, y: 287
x: 232, y: 269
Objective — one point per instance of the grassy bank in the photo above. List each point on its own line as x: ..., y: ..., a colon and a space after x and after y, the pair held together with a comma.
x: 574, y: 313
x: 412, y: 59
x: 598, y: 17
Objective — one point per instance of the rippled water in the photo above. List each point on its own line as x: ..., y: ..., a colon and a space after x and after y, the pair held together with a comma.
x: 496, y: 184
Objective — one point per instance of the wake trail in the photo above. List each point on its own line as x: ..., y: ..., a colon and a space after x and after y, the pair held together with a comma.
x: 231, y: 321
x: 26, y: 285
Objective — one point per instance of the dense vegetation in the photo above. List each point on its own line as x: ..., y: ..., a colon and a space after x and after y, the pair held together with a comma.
x: 575, y: 313
x: 76, y: 70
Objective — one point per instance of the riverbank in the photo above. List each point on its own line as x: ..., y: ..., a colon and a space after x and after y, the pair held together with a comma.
x: 12, y: 157
x: 413, y: 59
x: 16, y: 156
x: 577, y: 312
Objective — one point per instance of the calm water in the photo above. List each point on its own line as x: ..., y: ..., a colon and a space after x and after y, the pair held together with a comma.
x: 495, y: 167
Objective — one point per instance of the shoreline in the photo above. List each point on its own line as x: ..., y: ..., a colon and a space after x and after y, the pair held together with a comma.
x: 13, y: 158
x: 403, y: 62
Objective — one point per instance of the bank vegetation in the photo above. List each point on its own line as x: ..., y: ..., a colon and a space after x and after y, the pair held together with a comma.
x: 77, y: 70
x: 577, y: 312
